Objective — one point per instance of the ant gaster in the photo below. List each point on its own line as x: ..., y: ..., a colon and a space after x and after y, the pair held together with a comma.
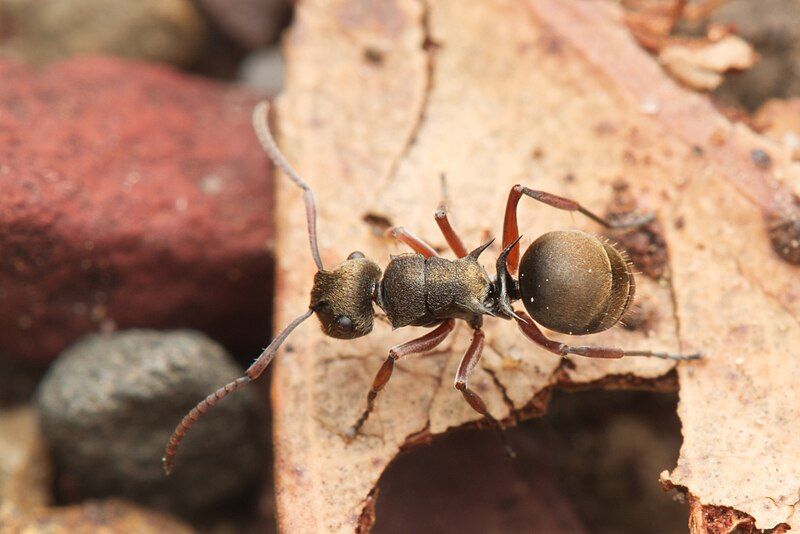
x: 570, y: 282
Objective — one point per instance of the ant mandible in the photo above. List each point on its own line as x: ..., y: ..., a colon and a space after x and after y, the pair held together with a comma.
x: 569, y: 281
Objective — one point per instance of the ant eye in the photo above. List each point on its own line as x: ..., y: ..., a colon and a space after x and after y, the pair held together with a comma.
x: 344, y: 323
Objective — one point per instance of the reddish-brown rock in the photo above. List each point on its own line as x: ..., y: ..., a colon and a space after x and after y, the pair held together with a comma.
x: 132, y: 194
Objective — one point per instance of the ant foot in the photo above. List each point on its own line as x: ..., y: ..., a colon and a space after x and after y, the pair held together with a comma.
x: 686, y: 357
x: 677, y: 357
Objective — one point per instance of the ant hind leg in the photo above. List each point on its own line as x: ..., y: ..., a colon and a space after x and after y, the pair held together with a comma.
x: 511, y: 229
x: 442, y: 220
x: 532, y: 332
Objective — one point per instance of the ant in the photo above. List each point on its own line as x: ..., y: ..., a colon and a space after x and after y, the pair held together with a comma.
x: 569, y: 281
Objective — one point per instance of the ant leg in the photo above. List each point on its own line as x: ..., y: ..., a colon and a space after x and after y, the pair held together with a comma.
x: 511, y: 229
x: 422, y: 344
x: 449, y: 233
x: 419, y: 246
x: 532, y: 332
x: 471, y: 358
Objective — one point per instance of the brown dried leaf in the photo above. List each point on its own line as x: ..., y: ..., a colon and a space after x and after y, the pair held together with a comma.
x: 701, y: 65
x: 699, y: 10
x: 652, y: 21
x: 383, y: 97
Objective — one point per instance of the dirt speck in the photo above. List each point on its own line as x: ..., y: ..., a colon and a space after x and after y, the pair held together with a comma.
x: 717, y: 138
x: 784, y: 234
x: 605, y: 127
x: 645, y: 244
x: 374, y: 56
x: 761, y: 158
x: 629, y: 157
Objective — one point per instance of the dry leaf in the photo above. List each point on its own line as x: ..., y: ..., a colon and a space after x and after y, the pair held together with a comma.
x: 651, y: 21
x: 699, y: 10
x: 698, y: 63
x: 701, y: 66
x: 383, y: 97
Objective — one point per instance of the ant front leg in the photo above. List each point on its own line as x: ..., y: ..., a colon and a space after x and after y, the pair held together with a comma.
x: 465, y: 368
x: 511, y: 229
x: 532, y: 332
x: 422, y: 344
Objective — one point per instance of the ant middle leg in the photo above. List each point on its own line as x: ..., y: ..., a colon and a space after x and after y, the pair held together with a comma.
x: 424, y: 343
x: 532, y: 332
x: 471, y: 358
x: 442, y: 220
x: 449, y: 233
x: 402, y: 234
x: 511, y: 229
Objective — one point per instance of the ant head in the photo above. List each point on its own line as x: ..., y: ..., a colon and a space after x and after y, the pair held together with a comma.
x: 342, y: 298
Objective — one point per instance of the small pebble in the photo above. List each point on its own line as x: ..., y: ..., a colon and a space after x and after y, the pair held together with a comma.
x: 263, y: 69
x: 110, y: 402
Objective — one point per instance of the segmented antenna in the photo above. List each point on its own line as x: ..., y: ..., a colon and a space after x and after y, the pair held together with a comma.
x: 261, y: 127
x: 253, y: 372
x: 192, y: 417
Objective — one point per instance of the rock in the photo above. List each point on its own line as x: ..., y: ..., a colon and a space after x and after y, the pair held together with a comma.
x: 160, y: 30
x: 112, y: 515
x: 26, y: 486
x: 24, y: 464
x: 251, y: 23
x: 264, y: 70
x: 132, y: 195
x: 110, y: 402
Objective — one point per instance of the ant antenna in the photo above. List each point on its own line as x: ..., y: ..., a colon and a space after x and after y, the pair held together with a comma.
x: 261, y: 127
x: 253, y: 372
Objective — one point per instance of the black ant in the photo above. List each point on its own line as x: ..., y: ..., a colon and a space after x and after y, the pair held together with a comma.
x: 570, y: 282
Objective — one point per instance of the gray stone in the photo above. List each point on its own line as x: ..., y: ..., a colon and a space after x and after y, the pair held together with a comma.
x: 110, y: 402
x: 46, y: 30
